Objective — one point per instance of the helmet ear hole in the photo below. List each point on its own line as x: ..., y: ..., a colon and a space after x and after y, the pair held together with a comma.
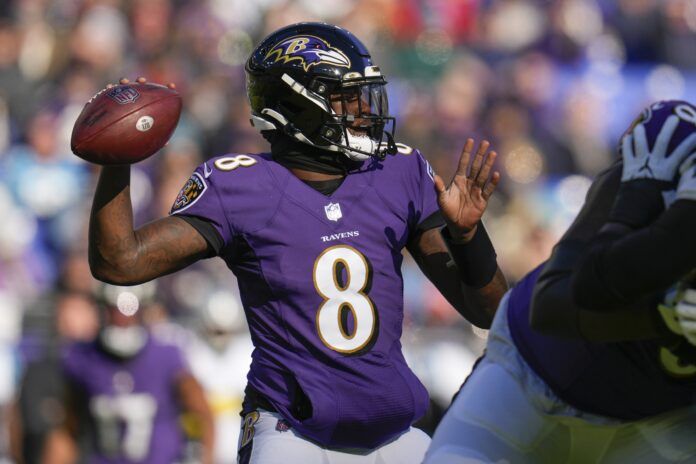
x: 319, y: 87
x: 333, y: 134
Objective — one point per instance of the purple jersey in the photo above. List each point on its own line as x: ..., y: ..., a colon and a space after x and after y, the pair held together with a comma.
x: 320, y: 280
x: 132, y: 404
x: 627, y: 380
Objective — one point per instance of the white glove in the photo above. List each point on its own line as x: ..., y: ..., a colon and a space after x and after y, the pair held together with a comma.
x: 656, y: 163
x: 686, y: 314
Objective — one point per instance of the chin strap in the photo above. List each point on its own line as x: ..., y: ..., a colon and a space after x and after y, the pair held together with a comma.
x: 390, y: 149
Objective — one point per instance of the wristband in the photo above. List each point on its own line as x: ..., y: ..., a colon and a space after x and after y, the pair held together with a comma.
x: 475, y: 259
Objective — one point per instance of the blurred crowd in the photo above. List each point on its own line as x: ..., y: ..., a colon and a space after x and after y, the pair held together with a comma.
x: 551, y: 83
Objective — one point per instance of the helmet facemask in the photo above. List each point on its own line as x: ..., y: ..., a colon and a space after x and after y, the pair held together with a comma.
x: 360, y: 121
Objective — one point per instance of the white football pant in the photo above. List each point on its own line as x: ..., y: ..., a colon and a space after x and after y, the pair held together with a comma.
x: 505, y: 413
x: 266, y: 443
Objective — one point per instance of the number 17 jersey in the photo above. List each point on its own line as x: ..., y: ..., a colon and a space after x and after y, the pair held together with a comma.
x: 320, y: 281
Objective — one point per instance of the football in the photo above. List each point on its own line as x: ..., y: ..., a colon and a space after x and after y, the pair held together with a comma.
x: 126, y: 123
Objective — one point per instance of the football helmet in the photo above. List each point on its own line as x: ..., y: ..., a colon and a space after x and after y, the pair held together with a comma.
x: 122, y: 333
x: 658, y: 141
x: 316, y: 83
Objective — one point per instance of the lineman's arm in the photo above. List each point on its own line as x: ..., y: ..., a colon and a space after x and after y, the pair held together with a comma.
x: 193, y: 401
x: 119, y: 254
x: 623, y: 268
x: 556, y: 308
x: 641, y: 252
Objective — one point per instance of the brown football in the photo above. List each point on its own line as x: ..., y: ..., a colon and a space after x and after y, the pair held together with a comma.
x: 126, y: 123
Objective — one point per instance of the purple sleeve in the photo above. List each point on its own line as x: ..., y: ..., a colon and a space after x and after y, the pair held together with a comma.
x: 200, y: 198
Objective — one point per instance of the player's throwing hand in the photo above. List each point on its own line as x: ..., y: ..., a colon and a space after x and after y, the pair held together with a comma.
x: 465, y: 199
x: 139, y: 80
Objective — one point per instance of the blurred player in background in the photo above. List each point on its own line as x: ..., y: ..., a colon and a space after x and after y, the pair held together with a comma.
x: 314, y: 232
x: 126, y: 392
x: 591, y: 358
x: 219, y: 355
x: 39, y: 403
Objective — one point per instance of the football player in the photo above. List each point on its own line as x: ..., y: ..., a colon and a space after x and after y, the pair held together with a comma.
x: 590, y: 359
x: 126, y: 393
x: 219, y: 355
x: 314, y: 232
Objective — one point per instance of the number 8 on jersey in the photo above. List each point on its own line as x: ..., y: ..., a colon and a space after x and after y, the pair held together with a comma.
x: 340, y: 297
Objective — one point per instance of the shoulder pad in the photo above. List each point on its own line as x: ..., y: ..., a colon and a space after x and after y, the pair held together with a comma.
x: 404, y: 149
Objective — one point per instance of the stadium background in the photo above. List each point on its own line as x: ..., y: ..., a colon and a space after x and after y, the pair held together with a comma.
x: 552, y: 84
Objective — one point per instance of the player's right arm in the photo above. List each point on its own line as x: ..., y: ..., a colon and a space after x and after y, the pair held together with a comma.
x: 120, y: 255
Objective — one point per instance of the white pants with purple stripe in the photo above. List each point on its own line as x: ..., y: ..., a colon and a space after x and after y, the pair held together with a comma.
x: 506, y: 414
x: 266, y: 439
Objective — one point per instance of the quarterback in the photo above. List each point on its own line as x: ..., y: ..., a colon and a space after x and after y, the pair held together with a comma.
x: 314, y: 232
x: 592, y: 356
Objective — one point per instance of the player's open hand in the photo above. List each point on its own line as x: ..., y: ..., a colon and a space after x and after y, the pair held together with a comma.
x: 465, y: 199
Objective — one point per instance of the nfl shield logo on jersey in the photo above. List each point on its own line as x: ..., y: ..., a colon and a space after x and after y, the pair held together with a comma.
x: 333, y: 211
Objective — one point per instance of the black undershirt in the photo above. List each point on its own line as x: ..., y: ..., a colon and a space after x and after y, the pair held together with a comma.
x: 325, y: 187
x: 293, y: 154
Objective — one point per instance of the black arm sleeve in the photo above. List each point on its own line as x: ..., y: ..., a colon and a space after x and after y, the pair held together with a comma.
x: 621, y: 271
x: 554, y: 310
x: 431, y: 222
x: 208, y: 231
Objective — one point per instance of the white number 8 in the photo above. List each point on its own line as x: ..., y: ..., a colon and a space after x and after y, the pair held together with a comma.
x: 230, y: 163
x: 338, y: 297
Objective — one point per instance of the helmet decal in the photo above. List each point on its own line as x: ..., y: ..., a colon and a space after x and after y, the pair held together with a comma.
x: 308, y: 50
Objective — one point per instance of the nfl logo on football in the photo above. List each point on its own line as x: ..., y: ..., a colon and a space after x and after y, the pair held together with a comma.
x: 333, y: 211
x: 123, y: 95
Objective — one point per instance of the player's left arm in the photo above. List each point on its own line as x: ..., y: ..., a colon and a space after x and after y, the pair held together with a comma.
x: 193, y: 401
x: 460, y: 259
x: 476, y: 304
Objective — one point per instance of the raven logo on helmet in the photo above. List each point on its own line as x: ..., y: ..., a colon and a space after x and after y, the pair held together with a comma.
x: 309, y: 50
